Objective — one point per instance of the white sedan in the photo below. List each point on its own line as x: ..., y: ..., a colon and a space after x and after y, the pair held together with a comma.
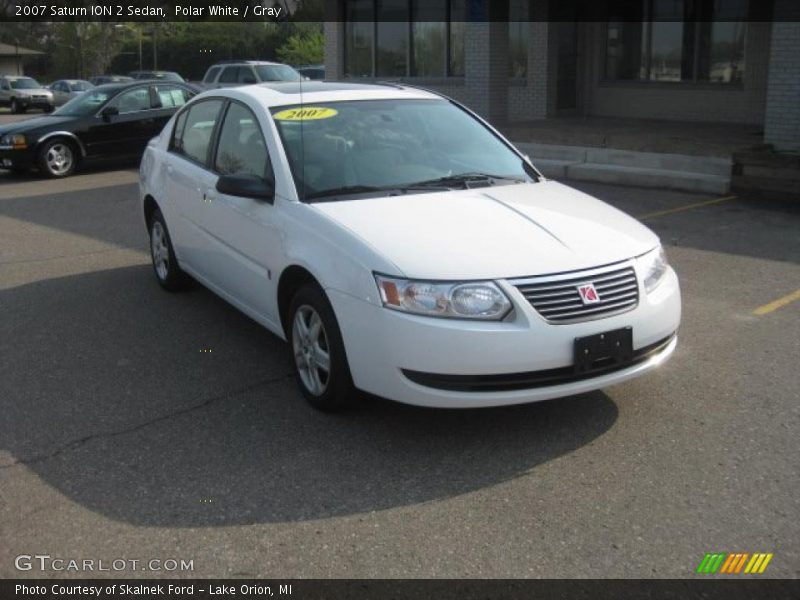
x: 403, y: 247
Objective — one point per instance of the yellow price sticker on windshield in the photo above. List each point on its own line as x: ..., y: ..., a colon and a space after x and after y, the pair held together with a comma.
x: 306, y: 113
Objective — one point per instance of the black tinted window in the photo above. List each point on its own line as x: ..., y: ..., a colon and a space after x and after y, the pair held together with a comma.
x: 229, y: 75
x: 134, y: 100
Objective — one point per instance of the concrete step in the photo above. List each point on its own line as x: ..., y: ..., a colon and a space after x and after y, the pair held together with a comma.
x: 553, y: 168
x: 707, y: 174
x: 652, y: 178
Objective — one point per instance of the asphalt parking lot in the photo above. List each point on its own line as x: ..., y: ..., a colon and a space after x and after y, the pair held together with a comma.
x: 138, y: 424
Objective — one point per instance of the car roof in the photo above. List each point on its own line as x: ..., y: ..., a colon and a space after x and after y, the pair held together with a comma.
x: 285, y: 93
x: 225, y: 63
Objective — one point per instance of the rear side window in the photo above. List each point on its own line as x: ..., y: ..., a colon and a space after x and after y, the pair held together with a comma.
x: 171, y: 96
x: 241, y: 149
x: 194, y: 130
x: 211, y: 75
x: 229, y: 75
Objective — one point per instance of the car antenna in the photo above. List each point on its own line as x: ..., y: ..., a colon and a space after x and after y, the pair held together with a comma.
x: 302, y: 144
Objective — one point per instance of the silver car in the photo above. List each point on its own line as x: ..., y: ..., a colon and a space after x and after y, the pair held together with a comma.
x: 21, y: 93
x: 65, y: 90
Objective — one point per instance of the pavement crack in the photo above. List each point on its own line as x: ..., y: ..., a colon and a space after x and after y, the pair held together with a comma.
x: 74, y: 444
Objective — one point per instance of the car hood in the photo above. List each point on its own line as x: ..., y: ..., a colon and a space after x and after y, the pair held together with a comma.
x: 493, y: 232
x: 32, y: 91
x: 49, y: 121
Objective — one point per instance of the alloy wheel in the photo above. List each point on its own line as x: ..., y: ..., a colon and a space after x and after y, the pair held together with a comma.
x: 159, y: 250
x: 59, y: 158
x: 311, y: 350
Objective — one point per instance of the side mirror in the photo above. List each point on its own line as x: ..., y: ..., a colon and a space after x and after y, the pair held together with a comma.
x: 246, y: 186
x: 108, y: 112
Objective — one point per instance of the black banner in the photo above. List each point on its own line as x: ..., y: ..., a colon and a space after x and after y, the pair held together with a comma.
x: 347, y: 10
x: 403, y: 589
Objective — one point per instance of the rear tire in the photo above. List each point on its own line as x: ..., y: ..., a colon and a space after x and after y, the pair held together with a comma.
x: 165, y: 266
x: 16, y: 107
x: 318, y: 351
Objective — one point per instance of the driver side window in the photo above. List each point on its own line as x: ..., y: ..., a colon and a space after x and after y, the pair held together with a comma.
x: 241, y: 149
x: 135, y: 100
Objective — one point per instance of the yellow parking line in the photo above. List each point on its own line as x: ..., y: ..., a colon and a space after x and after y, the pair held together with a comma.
x: 670, y: 211
x: 776, y: 304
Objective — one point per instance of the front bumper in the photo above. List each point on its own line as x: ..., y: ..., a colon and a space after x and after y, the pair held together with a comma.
x: 35, y: 102
x: 381, y: 344
x: 16, y: 159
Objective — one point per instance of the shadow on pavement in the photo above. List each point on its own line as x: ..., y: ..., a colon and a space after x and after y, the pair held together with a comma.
x: 109, y: 398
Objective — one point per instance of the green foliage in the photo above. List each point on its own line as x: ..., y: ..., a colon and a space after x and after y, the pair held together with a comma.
x: 303, y: 48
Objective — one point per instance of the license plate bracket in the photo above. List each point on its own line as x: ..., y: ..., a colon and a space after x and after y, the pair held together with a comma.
x: 603, y: 350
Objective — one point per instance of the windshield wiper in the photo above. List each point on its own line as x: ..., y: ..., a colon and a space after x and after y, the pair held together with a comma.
x: 465, y: 179
x: 348, y: 189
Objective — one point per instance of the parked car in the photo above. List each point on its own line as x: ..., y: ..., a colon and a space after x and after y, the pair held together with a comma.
x: 65, y: 90
x: 314, y: 72
x: 247, y: 72
x: 402, y: 246
x: 163, y: 75
x: 21, y: 93
x: 108, y: 122
x: 102, y: 79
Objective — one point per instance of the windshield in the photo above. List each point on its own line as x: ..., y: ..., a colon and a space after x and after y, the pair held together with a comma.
x: 367, y: 144
x: 168, y: 76
x: 25, y: 83
x: 277, y: 73
x: 85, y: 104
x: 81, y: 86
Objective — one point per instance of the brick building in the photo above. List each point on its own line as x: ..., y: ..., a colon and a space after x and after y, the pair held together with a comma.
x: 506, y: 61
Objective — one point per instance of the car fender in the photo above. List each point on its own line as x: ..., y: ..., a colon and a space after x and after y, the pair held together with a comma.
x: 337, y: 258
x: 67, y: 134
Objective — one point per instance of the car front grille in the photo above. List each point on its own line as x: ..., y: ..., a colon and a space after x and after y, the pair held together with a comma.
x: 557, y: 299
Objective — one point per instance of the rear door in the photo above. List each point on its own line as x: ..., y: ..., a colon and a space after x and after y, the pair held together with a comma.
x: 166, y: 99
x: 188, y: 178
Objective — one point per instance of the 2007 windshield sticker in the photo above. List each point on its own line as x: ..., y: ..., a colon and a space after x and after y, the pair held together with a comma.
x: 307, y: 113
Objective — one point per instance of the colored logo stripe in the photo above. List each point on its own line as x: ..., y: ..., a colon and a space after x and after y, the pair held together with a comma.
x: 734, y: 562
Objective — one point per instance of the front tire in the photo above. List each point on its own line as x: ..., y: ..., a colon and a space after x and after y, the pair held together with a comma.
x: 58, y: 158
x: 318, y: 351
x: 165, y: 266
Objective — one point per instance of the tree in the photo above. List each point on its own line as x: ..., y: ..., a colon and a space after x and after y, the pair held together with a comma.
x: 303, y: 48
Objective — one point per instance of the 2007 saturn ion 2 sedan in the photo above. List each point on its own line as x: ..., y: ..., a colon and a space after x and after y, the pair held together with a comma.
x: 403, y: 247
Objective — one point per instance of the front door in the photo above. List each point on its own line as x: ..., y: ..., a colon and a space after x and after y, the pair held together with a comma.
x: 243, y: 229
x: 126, y: 134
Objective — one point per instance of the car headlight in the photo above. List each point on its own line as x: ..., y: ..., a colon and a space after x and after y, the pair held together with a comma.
x: 16, y: 141
x: 457, y: 300
x: 653, y: 267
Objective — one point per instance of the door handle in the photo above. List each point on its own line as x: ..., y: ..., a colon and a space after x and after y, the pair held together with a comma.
x: 170, y: 169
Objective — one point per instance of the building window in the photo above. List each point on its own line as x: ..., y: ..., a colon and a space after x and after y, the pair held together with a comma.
x: 679, y: 41
x: 402, y: 38
x: 518, y: 38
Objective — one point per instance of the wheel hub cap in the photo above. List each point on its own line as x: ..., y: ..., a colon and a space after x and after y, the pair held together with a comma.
x: 311, y: 350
